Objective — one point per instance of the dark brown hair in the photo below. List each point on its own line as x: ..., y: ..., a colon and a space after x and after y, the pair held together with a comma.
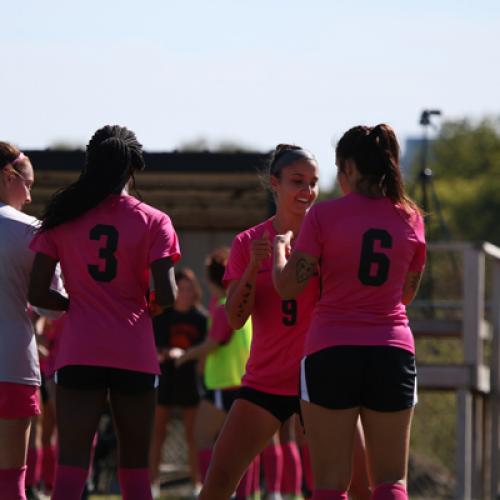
x: 187, y: 274
x: 286, y: 154
x: 216, y: 265
x: 375, y: 151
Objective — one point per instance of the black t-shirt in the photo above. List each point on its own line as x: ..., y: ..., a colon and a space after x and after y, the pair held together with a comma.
x: 180, y: 329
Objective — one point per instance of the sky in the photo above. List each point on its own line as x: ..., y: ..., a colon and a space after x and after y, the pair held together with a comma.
x: 258, y: 73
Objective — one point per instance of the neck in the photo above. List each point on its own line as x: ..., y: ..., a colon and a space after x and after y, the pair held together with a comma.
x: 284, y: 222
x: 369, y: 189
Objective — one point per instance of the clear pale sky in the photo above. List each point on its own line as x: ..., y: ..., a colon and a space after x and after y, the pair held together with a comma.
x: 258, y: 72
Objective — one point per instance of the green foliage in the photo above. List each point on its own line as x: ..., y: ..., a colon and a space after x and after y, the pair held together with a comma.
x: 465, y: 160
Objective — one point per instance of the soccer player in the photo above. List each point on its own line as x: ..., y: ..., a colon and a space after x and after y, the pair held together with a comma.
x: 269, y: 393
x: 359, y: 359
x: 107, y: 242
x: 176, y: 329
x: 19, y: 366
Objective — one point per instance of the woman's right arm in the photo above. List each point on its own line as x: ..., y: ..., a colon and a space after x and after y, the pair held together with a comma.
x: 164, y: 281
x: 241, y: 292
x: 39, y: 292
x: 410, y: 287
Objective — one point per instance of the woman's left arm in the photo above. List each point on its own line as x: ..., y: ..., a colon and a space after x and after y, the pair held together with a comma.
x: 39, y: 292
x: 291, y: 276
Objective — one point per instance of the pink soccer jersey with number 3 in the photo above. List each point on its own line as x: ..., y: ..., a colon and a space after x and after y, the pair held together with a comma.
x: 366, y: 246
x: 279, y: 326
x: 105, y: 256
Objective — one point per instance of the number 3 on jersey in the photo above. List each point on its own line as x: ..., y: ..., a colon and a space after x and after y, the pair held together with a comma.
x: 370, y: 258
x: 106, y: 252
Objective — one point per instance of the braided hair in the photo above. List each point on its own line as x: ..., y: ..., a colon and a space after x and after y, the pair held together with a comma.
x: 113, y: 155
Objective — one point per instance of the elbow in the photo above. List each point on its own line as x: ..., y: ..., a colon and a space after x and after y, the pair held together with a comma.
x: 166, y: 298
x: 235, y: 321
x: 407, y: 298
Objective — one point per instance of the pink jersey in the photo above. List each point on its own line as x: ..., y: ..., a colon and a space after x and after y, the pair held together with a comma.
x: 220, y: 329
x: 366, y: 247
x: 105, y: 257
x: 279, y: 326
x: 52, y: 334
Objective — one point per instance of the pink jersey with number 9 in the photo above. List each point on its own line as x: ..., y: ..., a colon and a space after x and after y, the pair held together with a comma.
x: 279, y: 326
x: 366, y: 247
x: 105, y: 256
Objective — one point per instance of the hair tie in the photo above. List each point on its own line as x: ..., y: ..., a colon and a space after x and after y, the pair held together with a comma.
x: 20, y: 157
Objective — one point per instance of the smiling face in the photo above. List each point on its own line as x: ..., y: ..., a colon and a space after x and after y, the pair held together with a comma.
x: 296, y: 189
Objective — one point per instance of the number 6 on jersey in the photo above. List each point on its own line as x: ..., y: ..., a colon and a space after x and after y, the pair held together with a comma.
x: 369, y: 257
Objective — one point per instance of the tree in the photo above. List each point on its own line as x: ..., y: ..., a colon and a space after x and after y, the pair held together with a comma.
x: 465, y: 160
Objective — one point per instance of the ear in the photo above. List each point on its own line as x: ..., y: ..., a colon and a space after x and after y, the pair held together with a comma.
x: 349, y: 167
x: 274, y: 182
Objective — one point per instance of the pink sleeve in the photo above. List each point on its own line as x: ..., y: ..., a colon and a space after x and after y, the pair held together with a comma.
x: 418, y: 262
x: 164, y: 241
x: 43, y: 243
x: 220, y: 330
x: 309, y: 239
x: 238, y: 260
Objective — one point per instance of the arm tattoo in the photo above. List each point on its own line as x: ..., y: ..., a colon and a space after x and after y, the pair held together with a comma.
x: 304, y: 270
x: 244, y: 302
x: 414, y: 281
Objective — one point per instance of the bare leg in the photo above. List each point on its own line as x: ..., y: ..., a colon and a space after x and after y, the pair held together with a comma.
x: 360, y: 483
x: 387, y: 437
x: 78, y: 413
x: 247, y: 430
x: 331, y: 436
x: 189, y: 417
x: 14, y: 436
x: 133, y: 415
x: 209, y: 422
x: 162, y: 416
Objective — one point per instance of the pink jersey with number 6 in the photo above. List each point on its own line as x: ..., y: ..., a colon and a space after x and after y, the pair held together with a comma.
x: 366, y: 247
x: 105, y: 256
x: 279, y: 326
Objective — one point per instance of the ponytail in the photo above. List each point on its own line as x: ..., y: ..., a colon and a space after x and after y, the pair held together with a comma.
x: 113, y: 154
x: 375, y: 151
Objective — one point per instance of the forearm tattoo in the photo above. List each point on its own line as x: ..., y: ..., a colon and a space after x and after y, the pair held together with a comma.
x: 245, y: 298
x: 414, y: 282
x: 304, y: 270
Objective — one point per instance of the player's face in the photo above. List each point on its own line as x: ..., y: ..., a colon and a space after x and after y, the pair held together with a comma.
x: 186, y: 294
x: 20, y: 183
x: 297, y: 188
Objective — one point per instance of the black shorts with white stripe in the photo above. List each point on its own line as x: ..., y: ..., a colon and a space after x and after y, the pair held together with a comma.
x: 380, y: 378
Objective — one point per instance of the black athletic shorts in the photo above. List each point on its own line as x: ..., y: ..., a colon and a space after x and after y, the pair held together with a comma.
x: 179, y: 386
x: 91, y: 378
x: 222, y: 399
x: 43, y: 391
x: 380, y: 378
x: 281, y: 407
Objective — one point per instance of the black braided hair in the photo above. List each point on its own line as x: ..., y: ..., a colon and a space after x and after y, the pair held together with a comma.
x: 113, y: 155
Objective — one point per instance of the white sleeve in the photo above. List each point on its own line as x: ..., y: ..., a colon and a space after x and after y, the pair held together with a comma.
x: 57, y: 285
